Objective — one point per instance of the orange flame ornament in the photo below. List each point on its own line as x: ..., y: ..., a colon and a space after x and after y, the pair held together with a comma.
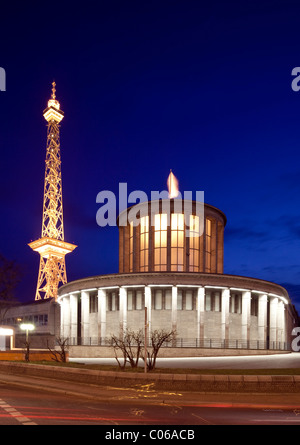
x: 172, y: 186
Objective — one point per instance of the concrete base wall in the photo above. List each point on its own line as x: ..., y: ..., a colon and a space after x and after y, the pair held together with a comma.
x: 19, y: 355
x: 108, y: 352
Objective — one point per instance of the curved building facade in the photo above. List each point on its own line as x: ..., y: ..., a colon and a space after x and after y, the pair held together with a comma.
x: 171, y: 261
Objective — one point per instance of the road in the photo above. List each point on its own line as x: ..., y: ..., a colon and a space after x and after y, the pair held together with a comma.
x: 23, y: 401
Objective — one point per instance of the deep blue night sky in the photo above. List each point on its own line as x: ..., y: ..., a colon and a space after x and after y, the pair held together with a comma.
x: 203, y: 89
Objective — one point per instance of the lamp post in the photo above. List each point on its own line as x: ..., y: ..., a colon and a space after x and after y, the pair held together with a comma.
x: 27, y: 327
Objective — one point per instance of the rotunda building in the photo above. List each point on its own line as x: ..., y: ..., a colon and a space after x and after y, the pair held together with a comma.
x: 171, y: 255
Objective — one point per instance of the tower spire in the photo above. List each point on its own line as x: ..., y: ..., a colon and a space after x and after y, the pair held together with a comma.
x: 53, y: 90
x: 51, y: 246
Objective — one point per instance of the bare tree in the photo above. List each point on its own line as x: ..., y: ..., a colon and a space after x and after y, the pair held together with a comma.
x: 10, y: 276
x: 60, y: 355
x: 130, y: 344
x: 157, y: 339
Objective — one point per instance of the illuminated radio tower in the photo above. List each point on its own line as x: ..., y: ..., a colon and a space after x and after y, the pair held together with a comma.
x: 51, y: 246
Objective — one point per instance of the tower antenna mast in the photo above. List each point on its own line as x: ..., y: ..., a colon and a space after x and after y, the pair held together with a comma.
x: 51, y: 246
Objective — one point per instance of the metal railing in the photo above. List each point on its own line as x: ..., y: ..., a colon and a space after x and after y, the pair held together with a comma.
x: 207, y: 343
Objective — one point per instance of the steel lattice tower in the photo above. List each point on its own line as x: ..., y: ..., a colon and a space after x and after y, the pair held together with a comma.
x: 51, y: 246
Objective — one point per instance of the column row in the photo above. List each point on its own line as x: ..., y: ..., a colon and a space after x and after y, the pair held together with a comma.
x: 75, y: 314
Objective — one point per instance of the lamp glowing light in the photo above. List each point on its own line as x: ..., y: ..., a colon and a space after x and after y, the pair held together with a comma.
x: 27, y: 327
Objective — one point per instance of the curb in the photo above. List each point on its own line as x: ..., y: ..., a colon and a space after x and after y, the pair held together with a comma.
x: 185, y: 382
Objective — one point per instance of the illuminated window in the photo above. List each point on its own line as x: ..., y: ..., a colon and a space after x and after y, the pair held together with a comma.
x: 194, y: 243
x: 158, y: 300
x: 135, y: 300
x: 144, y: 243
x: 189, y: 300
x: 213, y: 301
x: 254, y: 305
x: 113, y: 301
x: 186, y: 299
x: 162, y: 299
x: 179, y: 300
x: 93, y: 302
x: 236, y: 303
x: 160, y: 242
x: 208, y: 246
x: 168, y: 299
x: 177, y: 241
x: 131, y: 247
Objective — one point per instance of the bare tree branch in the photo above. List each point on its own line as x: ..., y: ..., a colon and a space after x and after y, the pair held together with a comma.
x: 59, y: 355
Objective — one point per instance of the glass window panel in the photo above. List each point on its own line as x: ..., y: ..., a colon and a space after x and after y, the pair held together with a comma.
x: 180, y: 239
x: 164, y: 239
x: 129, y: 300
x: 173, y: 238
x: 189, y: 300
x: 158, y: 299
x: 196, y: 259
x: 168, y: 299
x: 217, y: 302
x: 208, y: 227
x: 179, y: 300
x: 164, y: 221
x: 180, y: 256
x: 208, y: 244
x: 113, y: 301
x: 207, y: 302
x: 157, y: 222
x: 232, y: 301
x: 173, y: 256
x: 164, y: 256
x: 157, y: 239
x: 181, y: 222
x: 157, y: 256
x: 174, y: 221
x: 139, y: 299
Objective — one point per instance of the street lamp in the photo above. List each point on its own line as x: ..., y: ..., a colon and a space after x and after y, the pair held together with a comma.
x: 27, y: 327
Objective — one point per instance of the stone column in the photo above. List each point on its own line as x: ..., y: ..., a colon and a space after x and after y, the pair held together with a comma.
x: 148, y: 305
x: 262, y: 320
x: 123, y: 309
x: 246, y: 306
x: 101, y: 314
x: 62, y: 315
x: 273, y: 322
x: 174, y: 308
x: 85, y: 312
x: 280, y: 323
x: 73, y: 318
x: 200, y: 314
x: 66, y: 317
x: 225, y: 314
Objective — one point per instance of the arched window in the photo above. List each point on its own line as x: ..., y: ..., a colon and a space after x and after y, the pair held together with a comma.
x: 144, y: 244
x: 208, y: 246
x: 160, y: 241
x: 194, y: 240
x: 177, y: 241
